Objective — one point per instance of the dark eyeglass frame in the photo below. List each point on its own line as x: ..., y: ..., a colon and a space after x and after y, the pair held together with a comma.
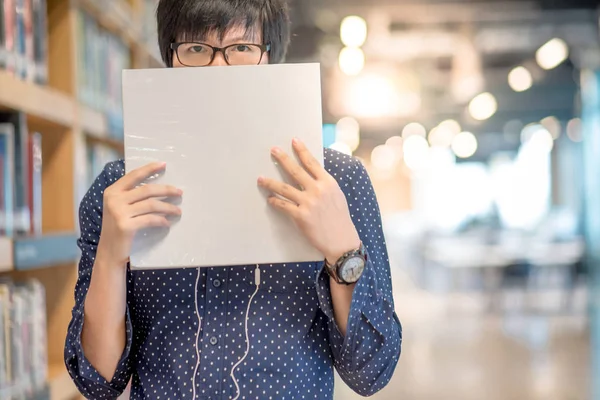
x: 265, y: 48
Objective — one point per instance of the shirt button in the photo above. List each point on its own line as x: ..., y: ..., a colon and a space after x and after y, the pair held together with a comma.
x: 217, y: 283
x: 213, y: 340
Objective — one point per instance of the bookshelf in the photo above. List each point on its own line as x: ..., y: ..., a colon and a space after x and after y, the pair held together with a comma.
x: 70, y: 119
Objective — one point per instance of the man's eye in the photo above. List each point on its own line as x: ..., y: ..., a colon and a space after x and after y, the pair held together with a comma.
x: 242, y: 48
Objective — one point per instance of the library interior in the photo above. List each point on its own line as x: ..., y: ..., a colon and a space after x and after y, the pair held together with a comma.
x: 477, y: 121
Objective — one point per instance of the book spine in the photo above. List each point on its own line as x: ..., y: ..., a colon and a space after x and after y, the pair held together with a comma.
x: 4, y: 357
x: 40, y: 38
x: 5, y: 314
x: 7, y: 149
x: 28, y: 40
x: 22, y: 216
x: 20, y: 45
x: 3, y: 227
x: 16, y: 344
x: 35, y: 187
x: 40, y: 355
x: 10, y: 11
x: 2, y: 36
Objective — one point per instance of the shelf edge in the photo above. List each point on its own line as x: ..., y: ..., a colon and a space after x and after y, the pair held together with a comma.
x: 36, y: 100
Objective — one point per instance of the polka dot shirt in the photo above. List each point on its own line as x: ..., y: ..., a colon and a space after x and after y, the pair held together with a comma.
x: 293, y: 338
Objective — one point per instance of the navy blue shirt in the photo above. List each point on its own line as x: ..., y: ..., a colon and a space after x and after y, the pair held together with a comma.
x: 293, y: 338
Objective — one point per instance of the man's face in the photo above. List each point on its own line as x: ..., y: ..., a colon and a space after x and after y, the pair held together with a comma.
x: 234, y: 35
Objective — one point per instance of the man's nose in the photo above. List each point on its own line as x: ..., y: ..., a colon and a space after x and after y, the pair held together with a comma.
x: 219, y: 60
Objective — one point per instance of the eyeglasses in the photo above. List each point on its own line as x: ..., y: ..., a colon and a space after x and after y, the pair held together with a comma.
x: 194, y: 54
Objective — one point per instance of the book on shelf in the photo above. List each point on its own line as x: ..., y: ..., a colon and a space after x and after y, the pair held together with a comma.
x: 23, y: 340
x: 7, y: 155
x: 20, y: 177
x: 24, y: 39
x: 101, y: 58
x: 35, y: 182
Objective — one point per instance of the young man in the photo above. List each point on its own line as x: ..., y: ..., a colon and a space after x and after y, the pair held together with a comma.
x: 181, y: 334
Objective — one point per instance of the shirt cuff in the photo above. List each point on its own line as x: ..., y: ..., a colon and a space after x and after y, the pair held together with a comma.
x: 365, y: 293
x: 85, y: 372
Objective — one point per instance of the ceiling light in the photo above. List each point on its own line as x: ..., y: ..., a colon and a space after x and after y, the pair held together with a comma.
x: 383, y: 158
x: 352, y: 61
x: 342, y: 148
x: 520, y: 79
x: 395, y: 142
x: 553, y: 125
x: 552, y: 54
x: 574, y: 130
x: 353, y: 31
x: 451, y: 125
x: 347, y: 130
x: 483, y: 106
x: 416, y: 151
x: 529, y: 131
x: 542, y: 140
x: 414, y: 128
x: 464, y: 145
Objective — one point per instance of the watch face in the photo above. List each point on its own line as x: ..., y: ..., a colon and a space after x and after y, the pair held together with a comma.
x: 352, y: 269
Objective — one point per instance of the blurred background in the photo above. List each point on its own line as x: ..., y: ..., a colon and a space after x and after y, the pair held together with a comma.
x: 479, y: 123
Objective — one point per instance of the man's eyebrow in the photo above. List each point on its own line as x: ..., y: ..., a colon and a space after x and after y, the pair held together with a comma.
x: 247, y: 37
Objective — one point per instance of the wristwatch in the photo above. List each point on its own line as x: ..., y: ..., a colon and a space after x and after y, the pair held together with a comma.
x: 350, y: 267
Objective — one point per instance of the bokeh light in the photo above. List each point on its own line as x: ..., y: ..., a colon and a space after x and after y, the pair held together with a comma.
x: 348, y: 131
x: 352, y: 61
x: 353, y: 31
x: 483, y: 106
x: 464, y: 145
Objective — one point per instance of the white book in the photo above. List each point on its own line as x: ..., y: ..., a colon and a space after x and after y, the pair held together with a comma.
x: 214, y: 127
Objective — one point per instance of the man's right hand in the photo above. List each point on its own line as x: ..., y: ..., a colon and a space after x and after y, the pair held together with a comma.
x: 128, y: 208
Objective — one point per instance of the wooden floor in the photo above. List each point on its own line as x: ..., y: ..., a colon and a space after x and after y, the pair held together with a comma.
x: 454, y: 350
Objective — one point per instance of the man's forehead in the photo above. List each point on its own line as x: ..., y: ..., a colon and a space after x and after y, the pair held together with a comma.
x: 235, y: 33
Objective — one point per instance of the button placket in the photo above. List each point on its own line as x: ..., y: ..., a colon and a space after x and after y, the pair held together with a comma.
x: 215, y: 314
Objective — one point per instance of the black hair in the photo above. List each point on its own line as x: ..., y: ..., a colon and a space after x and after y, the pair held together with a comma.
x: 195, y: 19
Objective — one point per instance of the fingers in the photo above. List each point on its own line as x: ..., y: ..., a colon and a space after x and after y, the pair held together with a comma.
x: 292, y: 168
x: 139, y: 175
x: 282, y: 189
x: 284, y: 206
x: 148, y: 221
x: 308, y: 160
x: 154, y: 206
x: 151, y: 191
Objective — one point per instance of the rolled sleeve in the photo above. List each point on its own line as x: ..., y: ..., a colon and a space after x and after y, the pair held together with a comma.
x: 87, y: 379
x: 367, y: 356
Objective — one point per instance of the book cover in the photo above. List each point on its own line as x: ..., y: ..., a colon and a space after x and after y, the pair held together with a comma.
x: 21, y: 217
x: 7, y: 150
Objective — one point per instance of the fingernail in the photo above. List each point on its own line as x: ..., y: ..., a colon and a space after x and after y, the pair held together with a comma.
x: 261, y: 180
x: 296, y: 141
x: 275, y: 150
x: 179, y: 191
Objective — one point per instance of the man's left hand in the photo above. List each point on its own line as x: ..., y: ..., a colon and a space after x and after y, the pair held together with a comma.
x: 318, y: 206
